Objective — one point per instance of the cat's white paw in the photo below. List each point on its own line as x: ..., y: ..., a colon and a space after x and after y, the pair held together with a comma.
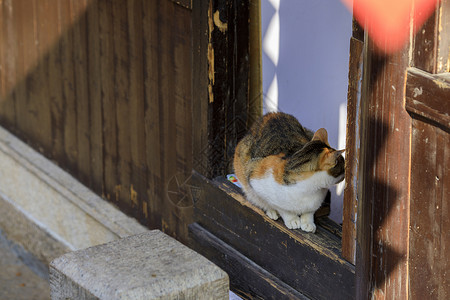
x: 293, y: 223
x: 273, y: 214
x: 308, y: 227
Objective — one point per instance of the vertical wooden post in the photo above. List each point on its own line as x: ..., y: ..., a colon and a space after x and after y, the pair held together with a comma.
x: 352, y: 144
x: 383, y: 207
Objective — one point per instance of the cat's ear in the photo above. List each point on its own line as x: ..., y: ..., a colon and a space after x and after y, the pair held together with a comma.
x: 321, y: 135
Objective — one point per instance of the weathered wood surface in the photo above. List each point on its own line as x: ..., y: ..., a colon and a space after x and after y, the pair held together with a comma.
x: 430, y: 212
x: 402, y: 215
x: 383, y: 206
x: 150, y: 265
x: 352, y: 151
x: 247, y: 279
x: 428, y: 97
x: 431, y: 45
x: 309, y: 263
x: 230, y: 110
x: 105, y: 90
x: 428, y: 102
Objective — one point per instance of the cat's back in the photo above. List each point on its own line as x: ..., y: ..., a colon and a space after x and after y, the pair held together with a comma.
x: 277, y: 133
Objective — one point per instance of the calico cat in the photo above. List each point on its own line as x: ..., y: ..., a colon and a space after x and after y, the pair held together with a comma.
x: 286, y: 169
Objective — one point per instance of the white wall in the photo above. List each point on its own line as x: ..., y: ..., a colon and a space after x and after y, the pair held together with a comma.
x: 305, y: 66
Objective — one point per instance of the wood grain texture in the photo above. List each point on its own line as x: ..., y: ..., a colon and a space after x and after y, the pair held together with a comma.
x: 427, y: 96
x: 431, y: 45
x: 105, y: 89
x: 8, y: 43
x: 95, y: 99
x: 430, y: 212
x: 247, y: 279
x: 200, y: 80
x: 352, y: 151
x: 383, y: 209
x: 427, y: 101
x: 228, y: 85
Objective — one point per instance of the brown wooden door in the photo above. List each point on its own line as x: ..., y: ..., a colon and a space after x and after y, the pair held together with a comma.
x: 401, y: 174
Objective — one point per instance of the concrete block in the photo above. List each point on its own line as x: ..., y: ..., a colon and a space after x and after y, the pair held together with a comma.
x: 150, y: 265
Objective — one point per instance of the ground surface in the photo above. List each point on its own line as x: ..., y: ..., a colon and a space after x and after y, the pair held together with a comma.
x: 17, y: 281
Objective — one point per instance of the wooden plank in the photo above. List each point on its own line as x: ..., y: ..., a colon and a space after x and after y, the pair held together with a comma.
x: 121, y: 73
x: 26, y: 119
x: 182, y: 90
x: 429, y: 240
x: 255, y: 85
x: 247, y: 279
x: 200, y: 86
x: 80, y: 56
x: 383, y: 214
x: 166, y: 71
x: 95, y: 98
x: 41, y: 89
x: 310, y: 263
x: 110, y: 154
x: 228, y: 89
x: 238, y: 107
x: 19, y: 66
x: 69, y: 111
x: 218, y: 86
x: 138, y: 188
x: 167, y: 150
x: 426, y: 44
x: 443, y: 51
x: 432, y: 41
x: 428, y: 96
x: 152, y: 111
x: 8, y: 75
x: 3, y: 41
x: 56, y: 84
x: 352, y: 151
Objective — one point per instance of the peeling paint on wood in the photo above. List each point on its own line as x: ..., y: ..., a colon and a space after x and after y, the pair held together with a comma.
x: 211, y: 74
x: 223, y: 27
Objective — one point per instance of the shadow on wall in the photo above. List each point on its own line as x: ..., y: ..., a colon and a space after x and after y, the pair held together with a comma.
x: 305, y: 67
x: 103, y: 88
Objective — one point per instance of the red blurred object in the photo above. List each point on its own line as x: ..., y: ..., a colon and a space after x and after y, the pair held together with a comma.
x: 388, y: 21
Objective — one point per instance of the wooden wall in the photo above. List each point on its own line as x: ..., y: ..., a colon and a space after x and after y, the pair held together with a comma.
x: 104, y: 88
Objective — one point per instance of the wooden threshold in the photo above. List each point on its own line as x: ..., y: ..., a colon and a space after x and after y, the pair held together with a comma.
x: 304, y: 263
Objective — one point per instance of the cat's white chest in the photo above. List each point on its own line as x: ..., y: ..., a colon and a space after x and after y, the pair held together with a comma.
x: 304, y: 196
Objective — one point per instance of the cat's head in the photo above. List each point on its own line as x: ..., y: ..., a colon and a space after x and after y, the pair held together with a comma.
x: 316, y: 156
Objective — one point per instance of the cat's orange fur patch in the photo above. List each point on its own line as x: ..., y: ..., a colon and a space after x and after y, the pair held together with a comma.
x: 326, y: 159
x: 239, y: 160
x: 276, y: 163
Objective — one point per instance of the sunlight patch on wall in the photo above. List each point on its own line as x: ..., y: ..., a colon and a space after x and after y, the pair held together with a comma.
x: 271, y: 47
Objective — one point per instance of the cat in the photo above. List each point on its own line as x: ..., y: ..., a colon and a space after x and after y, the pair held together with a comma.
x: 286, y: 169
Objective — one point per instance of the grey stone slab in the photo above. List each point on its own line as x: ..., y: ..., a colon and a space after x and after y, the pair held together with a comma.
x: 151, y: 265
